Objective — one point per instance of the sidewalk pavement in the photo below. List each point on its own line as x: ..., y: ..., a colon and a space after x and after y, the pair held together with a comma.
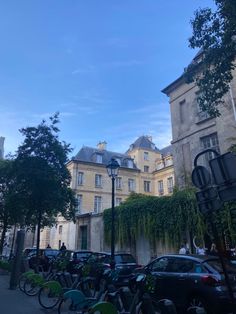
x: 16, y: 302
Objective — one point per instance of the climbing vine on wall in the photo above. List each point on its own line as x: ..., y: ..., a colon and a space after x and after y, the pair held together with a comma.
x: 164, y: 218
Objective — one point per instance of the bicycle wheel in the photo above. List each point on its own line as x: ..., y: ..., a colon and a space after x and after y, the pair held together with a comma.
x: 30, y: 287
x: 21, y: 282
x: 66, y: 306
x: 88, y: 287
x: 48, y: 299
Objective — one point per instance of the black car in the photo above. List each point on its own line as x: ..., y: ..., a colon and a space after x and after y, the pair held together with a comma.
x: 191, y: 280
x: 125, y: 264
x: 76, y: 259
x: 45, y: 256
x: 63, y: 259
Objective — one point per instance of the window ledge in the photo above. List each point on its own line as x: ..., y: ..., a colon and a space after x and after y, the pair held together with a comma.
x: 202, y: 120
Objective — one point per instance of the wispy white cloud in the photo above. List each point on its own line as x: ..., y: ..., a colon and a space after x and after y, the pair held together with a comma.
x: 47, y: 115
x: 89, y: 69
x: 123, y: 63
x: 79, y: 108
x: 146, y: 120
x: 107, y: 65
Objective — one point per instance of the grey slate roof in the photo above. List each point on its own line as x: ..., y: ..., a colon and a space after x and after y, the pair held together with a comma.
x: 88, y: 154
x: 145, y: 143
x: 166, y: 151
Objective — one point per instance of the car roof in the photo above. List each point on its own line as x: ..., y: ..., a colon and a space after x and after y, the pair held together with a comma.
x: 117, y: 253
x: 196, y: 257
x: 83, y: 251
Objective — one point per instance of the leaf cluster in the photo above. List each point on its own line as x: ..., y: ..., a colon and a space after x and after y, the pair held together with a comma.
x: 163, y: 218
x: 42, y: 176
x: 214, y: 33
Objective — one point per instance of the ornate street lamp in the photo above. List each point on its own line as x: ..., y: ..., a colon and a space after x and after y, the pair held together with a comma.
x: 112, y: 170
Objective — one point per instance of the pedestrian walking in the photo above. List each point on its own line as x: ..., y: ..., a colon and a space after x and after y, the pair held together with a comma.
x: 63, y: 247
x: 213, y: 249
x: 200, y: 250
x: 182, y: 249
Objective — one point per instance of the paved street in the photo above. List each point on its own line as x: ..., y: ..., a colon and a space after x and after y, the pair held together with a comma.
x: 16, y: 302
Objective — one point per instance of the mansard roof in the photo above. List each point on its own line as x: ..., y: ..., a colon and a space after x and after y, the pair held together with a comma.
x: 144, y: 142
x: 167, y: 151
x: 88, y: 154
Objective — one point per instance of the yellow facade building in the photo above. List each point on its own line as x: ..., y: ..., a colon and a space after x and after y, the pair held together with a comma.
x: 143, y: 169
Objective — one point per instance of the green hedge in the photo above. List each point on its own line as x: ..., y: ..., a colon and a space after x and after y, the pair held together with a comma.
x: 5, y: 265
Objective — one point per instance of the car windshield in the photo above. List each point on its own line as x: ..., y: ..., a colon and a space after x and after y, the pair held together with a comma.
x: 99, y: 258
x: 65, y: 254
x: 49, y: 252
x: 81, y: 255
x: 216, y: 264
x: 124, y: 258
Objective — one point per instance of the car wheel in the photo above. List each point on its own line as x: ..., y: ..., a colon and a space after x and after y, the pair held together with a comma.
x: 198, y: 302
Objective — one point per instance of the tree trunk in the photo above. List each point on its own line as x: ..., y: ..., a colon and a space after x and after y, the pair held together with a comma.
x: 38, y: 239
x: 13, y: 242
x: 4, y: 229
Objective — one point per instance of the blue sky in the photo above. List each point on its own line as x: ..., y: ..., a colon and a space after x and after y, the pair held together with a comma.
x: 101, y: 63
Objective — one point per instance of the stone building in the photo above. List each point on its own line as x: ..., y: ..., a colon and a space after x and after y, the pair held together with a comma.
x: 143, y: 169
x: 2, y: 147
x: 194, y: 130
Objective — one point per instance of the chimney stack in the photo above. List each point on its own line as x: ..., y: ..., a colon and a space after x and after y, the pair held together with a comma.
x: 102, y: 145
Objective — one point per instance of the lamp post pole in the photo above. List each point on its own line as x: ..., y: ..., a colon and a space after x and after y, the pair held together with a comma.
x: 113, y: 219
x: 112, y: 170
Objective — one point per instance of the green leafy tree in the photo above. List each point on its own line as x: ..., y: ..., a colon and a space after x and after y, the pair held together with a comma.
x: 10, y: 213
x: 43, y: 177
x: 214, y: 33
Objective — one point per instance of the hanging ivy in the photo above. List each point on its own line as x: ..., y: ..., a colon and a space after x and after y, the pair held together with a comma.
x: 163, y: 218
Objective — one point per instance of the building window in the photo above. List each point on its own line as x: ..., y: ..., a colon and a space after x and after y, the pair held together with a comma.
x: 131, y: 185
x: 80, y: 178
x: 97, y: 204
x: 202, y: 115
x: 118, y: 183
x: 130, y: 163
x: 99, y: 158
x: 98, y: 180
x: 147, y: 186
x: 182, y: 111
x: 160, y: 165
x: 60, y: 229
x: 170, y: 184
x: 210, y: 141
x: 118, y: 201
x: 146, y: 168
x: 84, y: 237
x: 168, y: 162
x: 160, y: 187
x: 79, y: 204
x: 145, y: 156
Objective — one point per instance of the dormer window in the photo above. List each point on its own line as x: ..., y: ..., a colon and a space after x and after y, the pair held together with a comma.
x: 130, y: 163
x: 99, y: 158
x: 118, y: 160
